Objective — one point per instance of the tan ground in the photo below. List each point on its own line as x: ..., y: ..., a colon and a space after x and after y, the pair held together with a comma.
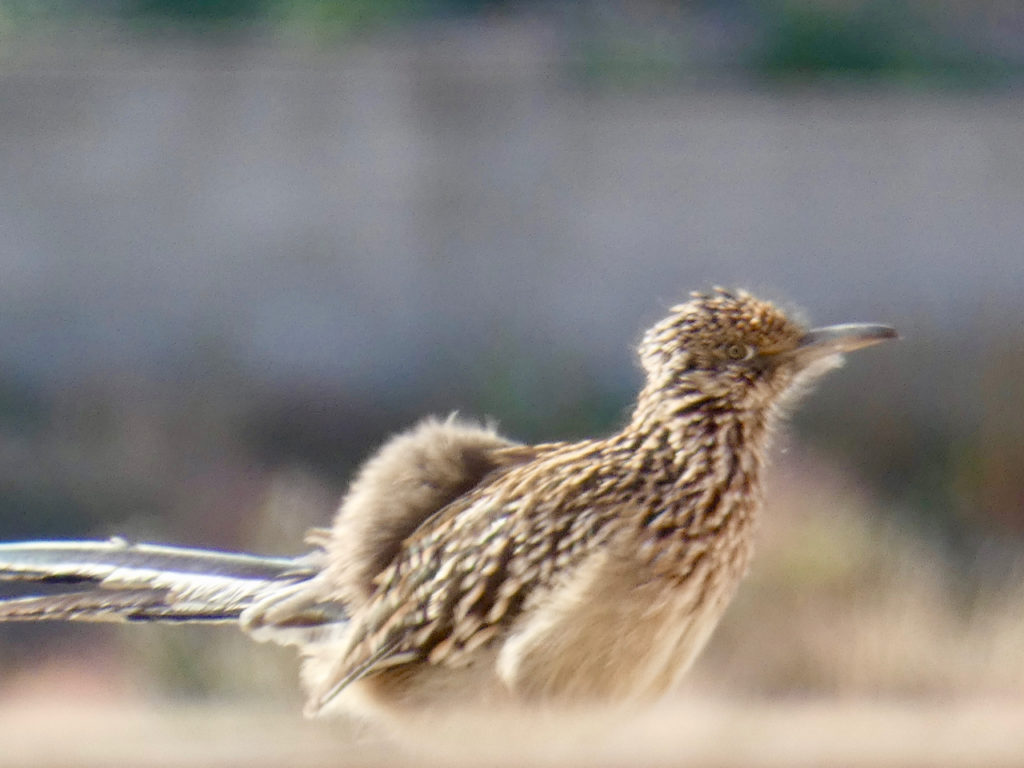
x: 690, y: 733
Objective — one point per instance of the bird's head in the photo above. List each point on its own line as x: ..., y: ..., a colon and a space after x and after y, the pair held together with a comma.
x: 733, y: 346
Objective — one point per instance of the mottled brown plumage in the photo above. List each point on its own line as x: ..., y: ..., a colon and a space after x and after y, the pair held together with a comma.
x: 463, y: 567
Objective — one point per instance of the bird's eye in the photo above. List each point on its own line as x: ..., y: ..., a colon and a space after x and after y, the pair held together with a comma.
x: 739, y: 351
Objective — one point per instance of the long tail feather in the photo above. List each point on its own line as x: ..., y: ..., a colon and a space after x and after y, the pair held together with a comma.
x: 102, y: 605
x: 141, y: 582
x: 98, y: 560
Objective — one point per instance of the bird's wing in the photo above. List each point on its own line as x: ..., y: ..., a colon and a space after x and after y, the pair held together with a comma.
x: 403, y: 487
x: 465, y: 575
x: 102, y: 580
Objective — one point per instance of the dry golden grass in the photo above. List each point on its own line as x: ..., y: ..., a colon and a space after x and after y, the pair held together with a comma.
x: 844, y: 601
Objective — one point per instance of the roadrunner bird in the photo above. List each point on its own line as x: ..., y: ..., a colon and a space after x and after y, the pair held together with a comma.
x: 463, y: 567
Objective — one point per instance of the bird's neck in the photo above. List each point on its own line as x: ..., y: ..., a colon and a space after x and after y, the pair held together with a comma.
x: 701, y: 457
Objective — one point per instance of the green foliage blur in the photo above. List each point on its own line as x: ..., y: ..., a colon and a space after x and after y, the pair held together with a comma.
x: 880, y: 38
x: 619, y: 42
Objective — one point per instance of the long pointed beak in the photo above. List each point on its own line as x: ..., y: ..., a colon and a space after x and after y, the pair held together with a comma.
x: 836, y: 339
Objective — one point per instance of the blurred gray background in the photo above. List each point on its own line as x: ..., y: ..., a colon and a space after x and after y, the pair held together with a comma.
x: 243, y: 242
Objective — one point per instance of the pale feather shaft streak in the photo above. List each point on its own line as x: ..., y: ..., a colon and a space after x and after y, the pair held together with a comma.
x: 141, y: 581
